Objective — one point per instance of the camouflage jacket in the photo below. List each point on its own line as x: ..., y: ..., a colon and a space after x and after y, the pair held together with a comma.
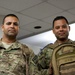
x: 15, y: 60
x: 44, y: 58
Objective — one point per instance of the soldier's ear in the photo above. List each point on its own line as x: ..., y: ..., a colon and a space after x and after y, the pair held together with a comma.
x: 53, y: 31
x: 2, y: 27
x: 69, y: 28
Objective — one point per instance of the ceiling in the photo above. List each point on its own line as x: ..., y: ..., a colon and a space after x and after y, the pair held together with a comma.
x: 37, y: 13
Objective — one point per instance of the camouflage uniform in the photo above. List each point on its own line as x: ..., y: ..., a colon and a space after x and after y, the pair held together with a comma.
x: 34, y: 69
x: 44, y: 58
x: 15, y: 60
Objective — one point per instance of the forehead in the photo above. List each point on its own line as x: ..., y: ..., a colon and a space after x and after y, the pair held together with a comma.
x: 11, y: 19
x: 60, y: 22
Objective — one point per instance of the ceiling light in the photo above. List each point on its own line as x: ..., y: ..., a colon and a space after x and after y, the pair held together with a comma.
x: 37, y: 27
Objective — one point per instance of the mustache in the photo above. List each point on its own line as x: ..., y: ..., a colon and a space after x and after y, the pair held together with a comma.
x: 12, y: 29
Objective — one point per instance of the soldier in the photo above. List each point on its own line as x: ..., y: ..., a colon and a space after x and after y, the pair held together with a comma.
x: 14, y: 56
x: 61, y: 30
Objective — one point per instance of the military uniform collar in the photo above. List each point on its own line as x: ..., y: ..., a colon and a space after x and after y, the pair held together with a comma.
x: 68, y: 41
x: 16, y: 44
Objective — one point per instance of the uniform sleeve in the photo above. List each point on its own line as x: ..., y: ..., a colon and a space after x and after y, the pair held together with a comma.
x: 28, y: 56
x: 44, y: 58
x: 33, y: 69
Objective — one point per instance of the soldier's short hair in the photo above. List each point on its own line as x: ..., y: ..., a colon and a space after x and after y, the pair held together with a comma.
x: 59, y: 18
x: 13, y: 15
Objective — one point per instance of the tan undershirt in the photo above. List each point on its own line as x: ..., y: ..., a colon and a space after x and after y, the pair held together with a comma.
x: 7, y: 45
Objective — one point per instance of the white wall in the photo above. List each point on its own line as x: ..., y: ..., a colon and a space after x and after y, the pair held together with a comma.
x: 35, y: 49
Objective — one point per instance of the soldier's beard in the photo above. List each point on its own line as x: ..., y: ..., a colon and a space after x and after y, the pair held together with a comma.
x: 62, y: 38
x: 11, y: 36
